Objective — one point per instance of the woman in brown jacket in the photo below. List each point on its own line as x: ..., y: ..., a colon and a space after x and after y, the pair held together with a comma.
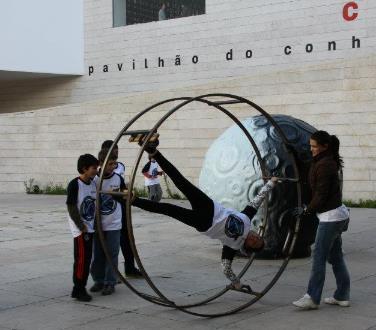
x: 326, y: 203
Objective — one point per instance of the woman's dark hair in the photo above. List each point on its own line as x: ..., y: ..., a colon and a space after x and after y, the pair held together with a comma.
x: 85, y: 161
x: 324, y: 138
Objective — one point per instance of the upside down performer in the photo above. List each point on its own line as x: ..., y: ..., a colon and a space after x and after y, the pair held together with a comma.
x: 207, y: 216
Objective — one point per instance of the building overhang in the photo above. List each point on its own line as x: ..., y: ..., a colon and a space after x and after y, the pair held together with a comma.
x: 20, y: 75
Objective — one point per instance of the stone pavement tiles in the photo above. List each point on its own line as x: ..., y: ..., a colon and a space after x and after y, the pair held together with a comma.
x: 36, y: 274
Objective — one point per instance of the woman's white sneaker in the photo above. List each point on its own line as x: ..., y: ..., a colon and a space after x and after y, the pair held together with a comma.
x: 334, y: 301
x: 305, y: 302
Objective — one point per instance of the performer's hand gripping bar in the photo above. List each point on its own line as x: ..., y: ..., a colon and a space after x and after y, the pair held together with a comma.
x: 281, y: 179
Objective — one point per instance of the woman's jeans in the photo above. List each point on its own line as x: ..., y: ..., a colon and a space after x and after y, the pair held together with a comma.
x: 328, y: 247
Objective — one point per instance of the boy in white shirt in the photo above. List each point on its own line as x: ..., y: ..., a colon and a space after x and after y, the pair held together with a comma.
x: 81, y: 194
x: 120, y: 167
x: 152, y: 182
x: 111, y: 215
x: 130, y: 269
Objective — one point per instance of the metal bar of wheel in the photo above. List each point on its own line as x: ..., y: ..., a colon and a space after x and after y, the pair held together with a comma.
x: 141, y: 267
x: 286, y: 142
x: 162, y: 300
x: 98, y: 216
x: 154, y: 131
x: 254, y: 147
x: 226, y: 102
x: 267, y: 288
x: 132, y: 178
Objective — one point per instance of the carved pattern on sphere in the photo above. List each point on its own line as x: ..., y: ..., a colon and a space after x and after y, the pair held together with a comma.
x: 231, y: 173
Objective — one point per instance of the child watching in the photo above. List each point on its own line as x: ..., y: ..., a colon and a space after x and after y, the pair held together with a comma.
x: 130, y: 269
x: 120, y: 167
x: 81, y: 209
x: 111, y: 216
x: 152, y: 182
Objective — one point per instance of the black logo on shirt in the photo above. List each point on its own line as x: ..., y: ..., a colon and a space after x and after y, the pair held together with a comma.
x: 154, y: 172
x: 234, y: 226
x: 108, y: 205
x: 87, y: 209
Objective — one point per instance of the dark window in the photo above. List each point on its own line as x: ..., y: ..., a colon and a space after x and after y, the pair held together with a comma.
x: 127, y: 12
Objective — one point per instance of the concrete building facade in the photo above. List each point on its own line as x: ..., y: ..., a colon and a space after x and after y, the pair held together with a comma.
x: 313, y: 60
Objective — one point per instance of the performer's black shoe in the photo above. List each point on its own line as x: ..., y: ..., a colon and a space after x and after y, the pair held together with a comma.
x: 151, y: 147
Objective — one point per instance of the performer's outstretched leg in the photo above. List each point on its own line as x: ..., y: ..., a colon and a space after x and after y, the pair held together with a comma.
x: 191, y: 218
x: 201, y: 215
x: 198, y: 199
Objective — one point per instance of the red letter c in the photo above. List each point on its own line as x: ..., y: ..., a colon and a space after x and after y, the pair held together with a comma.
x: 346, y: 11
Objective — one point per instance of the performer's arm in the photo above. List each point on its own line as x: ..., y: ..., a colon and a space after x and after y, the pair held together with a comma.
x: 251, y: 209
x: 257, y: 201
x: 227, y: 258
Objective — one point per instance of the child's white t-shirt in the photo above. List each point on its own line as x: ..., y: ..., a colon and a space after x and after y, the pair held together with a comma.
x: 120, y: 169
x: 222, y: 221
x: 153, y: 171
x: 83, y: 195
x: 111, y: 210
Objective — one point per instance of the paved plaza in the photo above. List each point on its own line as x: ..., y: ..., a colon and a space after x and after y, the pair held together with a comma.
x: 36, y: 277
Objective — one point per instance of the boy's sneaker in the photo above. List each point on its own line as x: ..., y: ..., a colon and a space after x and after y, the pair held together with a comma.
x: 108, y: 290
x: 84, y: 296
x: 97, y: 287
x: 81, y: 294
x: 305, y: 302
x: 75, y: 292
x: 334, y: 301
x: 133, y: 273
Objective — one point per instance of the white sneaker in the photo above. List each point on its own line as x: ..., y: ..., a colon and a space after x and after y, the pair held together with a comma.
x: 305, y: 302
x: 334, y: 301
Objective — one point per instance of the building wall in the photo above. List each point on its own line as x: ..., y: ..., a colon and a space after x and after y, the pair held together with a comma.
x: 333, y: 90
x: 41, y: 36
x: 263, y: 27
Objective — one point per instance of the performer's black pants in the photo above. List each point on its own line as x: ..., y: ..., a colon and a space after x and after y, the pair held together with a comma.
x: 125, y: 245
x: 201, y: 214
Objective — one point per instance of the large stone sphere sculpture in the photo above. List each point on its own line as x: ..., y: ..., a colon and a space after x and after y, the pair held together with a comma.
x: 231, y: 175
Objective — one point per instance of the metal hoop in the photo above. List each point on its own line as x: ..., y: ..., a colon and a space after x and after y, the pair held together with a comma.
x: 161, y: 299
